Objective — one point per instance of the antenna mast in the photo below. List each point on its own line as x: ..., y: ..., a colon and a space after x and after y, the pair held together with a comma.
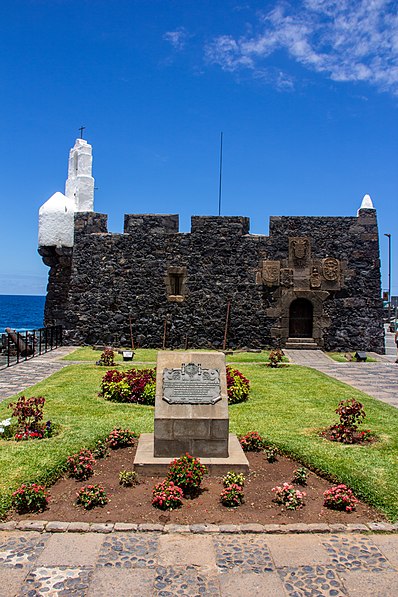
x: 220, y: 180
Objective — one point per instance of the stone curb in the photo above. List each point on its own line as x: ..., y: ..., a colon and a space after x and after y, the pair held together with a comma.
x: 44, y: 526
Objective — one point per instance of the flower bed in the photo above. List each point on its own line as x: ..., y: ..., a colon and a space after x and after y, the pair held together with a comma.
x: 134, y: 504
x: 136, y: 386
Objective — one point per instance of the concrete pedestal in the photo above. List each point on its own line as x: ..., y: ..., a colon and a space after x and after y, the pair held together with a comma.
x: 199, y: 429
x: 145, y: 463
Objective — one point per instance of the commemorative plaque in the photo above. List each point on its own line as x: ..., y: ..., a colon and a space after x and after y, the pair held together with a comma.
x: 191, y: 384
x: 191, y: 415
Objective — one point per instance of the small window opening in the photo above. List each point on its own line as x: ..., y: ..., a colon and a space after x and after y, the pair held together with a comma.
x: 176, y: 278
x: 176, y: 284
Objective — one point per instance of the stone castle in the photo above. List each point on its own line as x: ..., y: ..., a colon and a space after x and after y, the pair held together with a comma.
x: 312, y: 282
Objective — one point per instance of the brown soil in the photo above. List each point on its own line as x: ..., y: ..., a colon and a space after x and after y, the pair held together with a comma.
x: 357, y: 438
x: 133, y: 504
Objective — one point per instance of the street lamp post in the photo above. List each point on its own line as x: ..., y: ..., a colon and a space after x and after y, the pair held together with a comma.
x: 389, y: 276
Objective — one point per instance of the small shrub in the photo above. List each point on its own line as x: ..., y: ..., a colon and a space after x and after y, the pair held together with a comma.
x: 46, y: 431
x: 107, y: 358
x: 187, y: 473
x: 30, y: 498
x: 29, y: 415
x: 340, y: 497
x: 149, y: 393
x: 351, y: 414
x: 128, y: 478
x: 101, y: 449
x: 300, y: 476
x: 121, y: 438
x: 275, y: 357
x: 238, y: 386
x: 167, y: 496
x: 251, y: 442
x: 288, y: 496
x: 232, y: 478
x: 271, y: 454
x: 91, y: 496
x: 80, y: 465
x: 232, y: 496
x: 129, y: 386
x: 25, y: 435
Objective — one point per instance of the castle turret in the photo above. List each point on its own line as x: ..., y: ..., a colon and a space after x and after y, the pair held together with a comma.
x: 367, y: 203
x: 56, y: 222
x: 56, y: 215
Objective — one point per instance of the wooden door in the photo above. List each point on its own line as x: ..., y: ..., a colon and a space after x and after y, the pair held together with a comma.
x: 300, y: 319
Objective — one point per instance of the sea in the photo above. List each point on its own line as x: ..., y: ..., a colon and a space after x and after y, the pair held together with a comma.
x: 21, y: 312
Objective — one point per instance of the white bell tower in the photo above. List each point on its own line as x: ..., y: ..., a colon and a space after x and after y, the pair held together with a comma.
x: 80, y: 183
x: 56, y: 215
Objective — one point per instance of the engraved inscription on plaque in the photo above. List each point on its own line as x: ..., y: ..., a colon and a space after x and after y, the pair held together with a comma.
x: 191, y: 385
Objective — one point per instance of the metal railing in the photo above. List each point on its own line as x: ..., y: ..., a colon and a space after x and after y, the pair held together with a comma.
x: 16, y: 347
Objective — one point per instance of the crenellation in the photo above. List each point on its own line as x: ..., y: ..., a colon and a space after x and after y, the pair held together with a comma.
x: 151, y: 223
x: 90, y: 223
x: 220, y: 225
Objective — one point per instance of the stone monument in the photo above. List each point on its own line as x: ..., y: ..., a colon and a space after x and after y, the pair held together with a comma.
x: 191, y: 415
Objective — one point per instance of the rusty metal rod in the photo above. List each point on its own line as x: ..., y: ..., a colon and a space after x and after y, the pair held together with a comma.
x: 224, y: 345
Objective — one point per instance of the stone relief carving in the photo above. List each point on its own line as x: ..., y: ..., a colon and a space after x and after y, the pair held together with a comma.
x: 287, y: 277
x: 315, y: 278
x: 304, y: 273
x: 331, y: 269
x: 299, y: 250
x: 271, y: 271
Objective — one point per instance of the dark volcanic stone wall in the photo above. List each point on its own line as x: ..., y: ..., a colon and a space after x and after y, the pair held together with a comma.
x: 115, y: 276
x: 355, y: 311
x: 111, y: 278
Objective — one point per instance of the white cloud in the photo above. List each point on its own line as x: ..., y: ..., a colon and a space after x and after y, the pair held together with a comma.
x: 177, y: 38
x: 347, y: 40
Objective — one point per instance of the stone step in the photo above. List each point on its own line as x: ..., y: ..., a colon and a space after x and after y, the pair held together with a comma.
x: 301, y: 344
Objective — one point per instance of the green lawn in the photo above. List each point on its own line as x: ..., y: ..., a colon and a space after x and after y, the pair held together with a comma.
x: 86, y: 353
x: 288, y: 406
x: 340, y: 357
x: 148, y: 355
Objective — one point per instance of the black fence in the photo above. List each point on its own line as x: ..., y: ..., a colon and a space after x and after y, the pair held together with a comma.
x: 16, y: 347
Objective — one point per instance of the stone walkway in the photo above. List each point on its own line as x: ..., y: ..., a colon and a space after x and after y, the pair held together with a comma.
x: 27, y: 373
x: 379, y: 380
x: 156, y: 564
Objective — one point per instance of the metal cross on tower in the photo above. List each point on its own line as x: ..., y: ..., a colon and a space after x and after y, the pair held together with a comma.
x: 81, y: 129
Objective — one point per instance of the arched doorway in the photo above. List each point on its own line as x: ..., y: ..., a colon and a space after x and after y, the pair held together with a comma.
x: 301, y: 313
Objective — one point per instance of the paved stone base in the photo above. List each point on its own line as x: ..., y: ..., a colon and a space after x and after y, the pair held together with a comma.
x: 147, y: 464
x: 153, y: 564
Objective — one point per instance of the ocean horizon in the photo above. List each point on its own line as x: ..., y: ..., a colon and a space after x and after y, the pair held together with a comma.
x: 21, y: 312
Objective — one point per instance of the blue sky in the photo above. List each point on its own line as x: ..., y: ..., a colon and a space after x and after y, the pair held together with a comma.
x: 305, y: 92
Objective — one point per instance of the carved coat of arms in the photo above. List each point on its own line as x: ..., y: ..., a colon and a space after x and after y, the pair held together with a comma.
x: 331, y: 269
x: 271, y: 271
x: 315, y: 278
x: 300, y: 250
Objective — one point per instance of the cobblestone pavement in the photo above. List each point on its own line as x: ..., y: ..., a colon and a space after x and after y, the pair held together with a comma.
x: 379, y: 380
x: 166, y: 565
x: 27, y: 373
